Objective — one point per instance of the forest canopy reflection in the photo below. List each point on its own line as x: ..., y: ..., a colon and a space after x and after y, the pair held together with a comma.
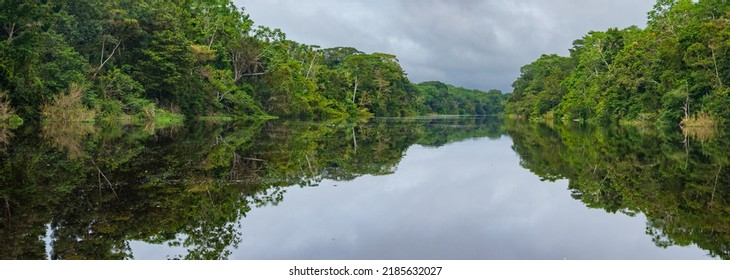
x: 98, y: 188
x: 680, y: 184
x: 91, y: 191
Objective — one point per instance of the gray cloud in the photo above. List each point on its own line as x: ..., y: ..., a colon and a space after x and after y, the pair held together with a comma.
x: 470, y: 43
x: 465, y: 200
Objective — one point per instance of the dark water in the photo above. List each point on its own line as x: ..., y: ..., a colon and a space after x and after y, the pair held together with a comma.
x: 455, y: 188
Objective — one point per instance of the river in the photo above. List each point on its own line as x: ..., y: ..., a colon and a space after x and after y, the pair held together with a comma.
x: 422, y: 188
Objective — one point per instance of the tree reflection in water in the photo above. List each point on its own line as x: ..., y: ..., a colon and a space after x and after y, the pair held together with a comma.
x: 680, y: 183
x: 98, y: 188
x: 95, y: 190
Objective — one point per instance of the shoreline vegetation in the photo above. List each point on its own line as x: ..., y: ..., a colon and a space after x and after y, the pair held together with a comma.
x: 168, y: 61
x: 671, y: 74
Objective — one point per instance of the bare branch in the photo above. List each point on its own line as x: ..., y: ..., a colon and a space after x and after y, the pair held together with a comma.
x: 254, y: 74
x: 11, y: 31
x: 103, y: 61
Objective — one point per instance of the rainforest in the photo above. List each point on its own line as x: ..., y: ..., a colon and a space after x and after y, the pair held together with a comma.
x: 183, y: 130
x: 162, y: 61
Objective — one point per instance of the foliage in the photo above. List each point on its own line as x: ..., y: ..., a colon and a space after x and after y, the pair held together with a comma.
x: 68, y: 108
x: 679, y: 184
x: 91, y: 190
x: 539, y: 90
x: 204, y: 57
x: 699, y: 120
x: 7, y: 113
x: 637, y: 75
x: 443, y: 99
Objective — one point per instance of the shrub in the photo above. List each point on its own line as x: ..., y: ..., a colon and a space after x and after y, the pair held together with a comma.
x: 69, y: 107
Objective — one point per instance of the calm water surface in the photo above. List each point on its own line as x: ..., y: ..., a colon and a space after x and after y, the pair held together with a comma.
x: 465, y: 188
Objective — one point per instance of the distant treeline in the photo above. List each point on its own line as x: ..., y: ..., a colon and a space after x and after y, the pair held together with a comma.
x: 199, y: 57
x: 675, y: 71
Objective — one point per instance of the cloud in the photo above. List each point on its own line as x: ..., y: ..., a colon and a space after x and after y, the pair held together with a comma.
x: 466, y: 200
x: 471, y: 43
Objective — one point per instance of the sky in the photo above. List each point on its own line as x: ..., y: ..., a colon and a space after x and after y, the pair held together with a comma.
x: 477, y: 44
x: 466, y: 200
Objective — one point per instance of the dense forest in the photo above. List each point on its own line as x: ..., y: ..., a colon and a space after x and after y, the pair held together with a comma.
x: 129, y: 60
x: 673, y: 72
x: 140, y: 60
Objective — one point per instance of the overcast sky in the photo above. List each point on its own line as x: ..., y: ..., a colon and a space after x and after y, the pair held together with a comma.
x: 470, y: 43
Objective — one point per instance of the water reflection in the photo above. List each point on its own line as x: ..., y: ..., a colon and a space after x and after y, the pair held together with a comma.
x: 680, y: 183
x: 389, y: 189
x: 185, y: 187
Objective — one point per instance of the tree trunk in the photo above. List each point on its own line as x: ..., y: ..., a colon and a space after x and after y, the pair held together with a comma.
x: 714, y: 61
x: 11, y: 31
x: 354, y: 92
